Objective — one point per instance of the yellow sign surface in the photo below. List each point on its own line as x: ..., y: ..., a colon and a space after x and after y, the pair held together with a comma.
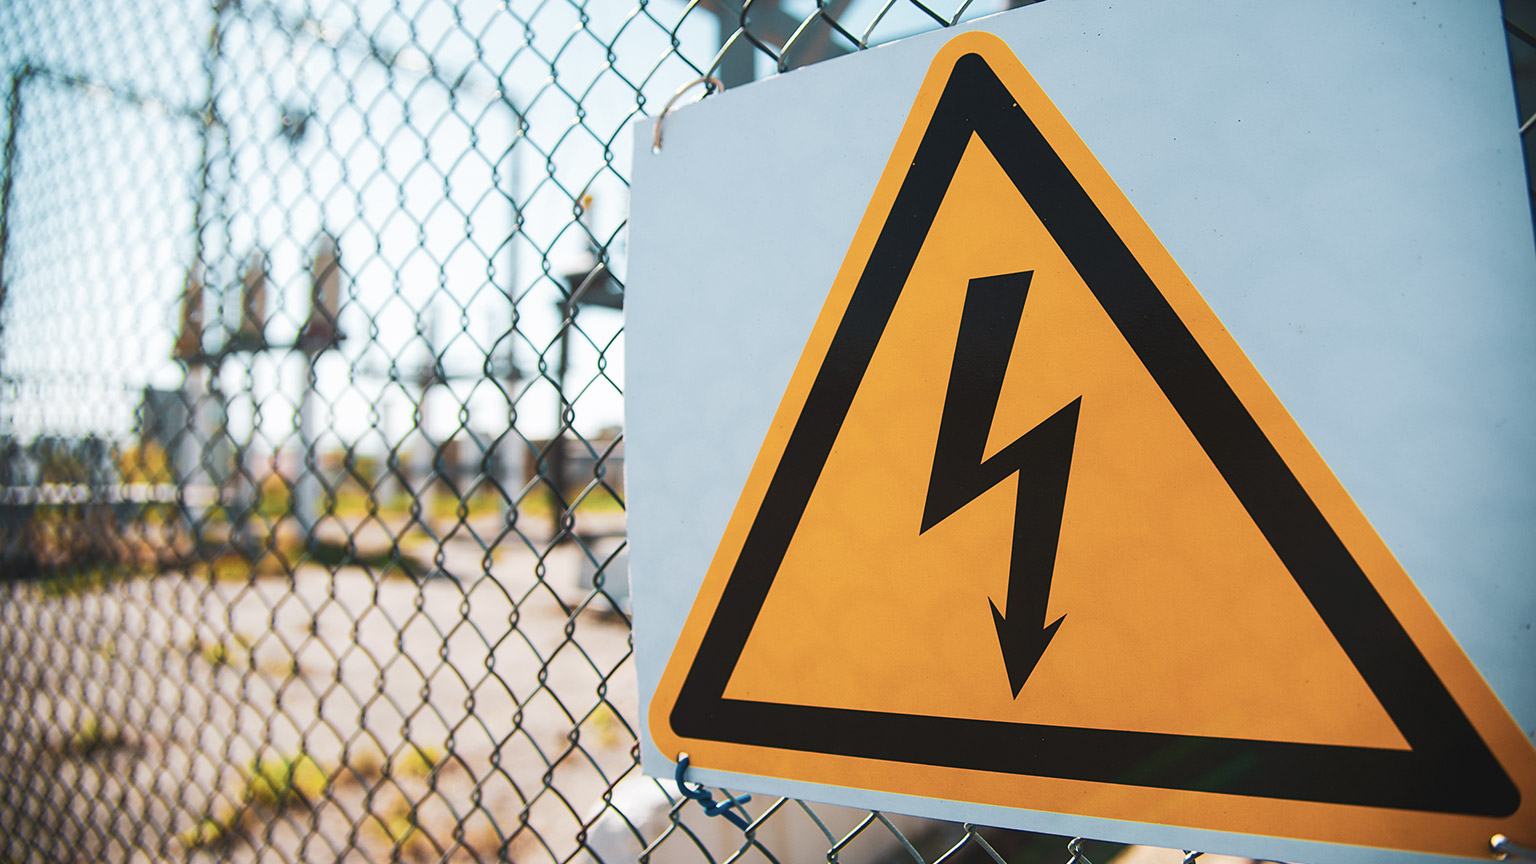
x: 1029, y: 530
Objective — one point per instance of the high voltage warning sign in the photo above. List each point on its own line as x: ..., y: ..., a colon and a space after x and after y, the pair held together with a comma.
x: 1029, y: 530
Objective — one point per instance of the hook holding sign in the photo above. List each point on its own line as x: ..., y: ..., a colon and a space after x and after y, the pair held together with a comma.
x: 711, y: 807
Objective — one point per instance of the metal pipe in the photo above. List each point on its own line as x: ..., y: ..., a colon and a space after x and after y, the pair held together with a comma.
x: 13, y: 114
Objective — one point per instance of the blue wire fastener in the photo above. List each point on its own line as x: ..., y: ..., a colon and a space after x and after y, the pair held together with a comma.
x: 711, y: 807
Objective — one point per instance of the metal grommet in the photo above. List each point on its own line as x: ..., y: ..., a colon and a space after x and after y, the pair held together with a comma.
x: 709, y: 80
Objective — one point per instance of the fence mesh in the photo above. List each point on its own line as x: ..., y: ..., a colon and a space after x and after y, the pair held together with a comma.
x: 311, y: 388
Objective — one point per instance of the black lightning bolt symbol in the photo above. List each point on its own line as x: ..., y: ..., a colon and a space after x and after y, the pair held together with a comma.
x: 1041, y: 457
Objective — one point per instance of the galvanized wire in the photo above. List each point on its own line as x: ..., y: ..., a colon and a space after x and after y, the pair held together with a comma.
x: 311, y: 501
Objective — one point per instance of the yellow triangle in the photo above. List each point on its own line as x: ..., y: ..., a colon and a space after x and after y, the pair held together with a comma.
x: 1236, y: 649
x: 1152, y: 536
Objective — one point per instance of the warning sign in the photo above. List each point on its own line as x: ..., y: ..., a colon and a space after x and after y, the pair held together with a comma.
x: 1029, y: 530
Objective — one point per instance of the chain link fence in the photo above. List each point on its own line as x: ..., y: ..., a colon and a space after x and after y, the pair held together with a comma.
x: 311, y: 447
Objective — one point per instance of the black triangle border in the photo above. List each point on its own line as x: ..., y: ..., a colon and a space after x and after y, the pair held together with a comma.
x: 1448, y: 768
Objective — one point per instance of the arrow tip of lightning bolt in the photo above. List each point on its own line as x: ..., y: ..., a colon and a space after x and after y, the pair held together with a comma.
x: 1023, y: 645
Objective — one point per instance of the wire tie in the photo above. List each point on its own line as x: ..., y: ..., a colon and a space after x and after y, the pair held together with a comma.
x: 1507, y: 849
x: 711, y: 807
x: 707, y: 80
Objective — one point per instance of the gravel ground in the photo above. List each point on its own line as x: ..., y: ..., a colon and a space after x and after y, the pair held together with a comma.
x: 136, y: 712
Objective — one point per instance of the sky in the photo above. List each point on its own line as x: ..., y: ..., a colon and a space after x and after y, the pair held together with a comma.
x: 430, y: 131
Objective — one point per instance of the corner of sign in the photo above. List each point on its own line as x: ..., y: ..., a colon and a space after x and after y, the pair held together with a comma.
x: 982, y: 42
x: 659, y: 722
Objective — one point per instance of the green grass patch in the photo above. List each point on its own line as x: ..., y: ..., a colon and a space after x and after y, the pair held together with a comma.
x: 64, y: 582
x: 380, y: 560
x: 212, y: 831
x: 290, y: 555
x: 92, y: 735
x: 541, y: 502
x: 285, y: 781
x: 217, y: 653
x: 272, y: 783
x: 415, y: 761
